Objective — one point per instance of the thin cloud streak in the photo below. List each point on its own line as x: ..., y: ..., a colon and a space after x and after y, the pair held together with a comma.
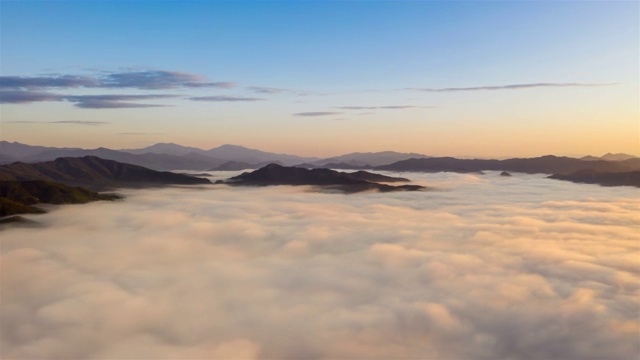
x: 317, y: 113
x: 62, y: 81
x: 24, y: 97
x: 511, y: 87
x: 111, y: 101
x: 223, y: 98
x: 144, y: 80
x: 388, y: 107
x: 140, y: 133
x: 160, y: 79
x: 114, y: 101
x: 103, y: 104
x: 267, y: 90
x: 74, y: 122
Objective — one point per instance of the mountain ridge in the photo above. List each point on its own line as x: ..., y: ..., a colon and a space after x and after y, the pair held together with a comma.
x: 548, y: 164
x: 274, y: 174
x: 94, y: 173
x: 18, y: 197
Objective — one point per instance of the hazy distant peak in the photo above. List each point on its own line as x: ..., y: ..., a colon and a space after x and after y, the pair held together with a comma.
x: 617, y: 156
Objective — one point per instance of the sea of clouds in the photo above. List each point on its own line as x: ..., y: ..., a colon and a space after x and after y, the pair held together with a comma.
x: 481, y: 267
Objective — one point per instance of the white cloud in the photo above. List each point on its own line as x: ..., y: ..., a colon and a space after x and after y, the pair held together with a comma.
x: 487, y: 267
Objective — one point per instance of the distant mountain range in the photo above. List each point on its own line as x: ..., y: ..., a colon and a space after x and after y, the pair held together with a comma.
x: 24, y: 184
x: 610, y: 157
x: 168, y: 156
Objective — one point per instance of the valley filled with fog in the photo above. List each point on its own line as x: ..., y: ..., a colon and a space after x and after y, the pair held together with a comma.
x: 479, y: 266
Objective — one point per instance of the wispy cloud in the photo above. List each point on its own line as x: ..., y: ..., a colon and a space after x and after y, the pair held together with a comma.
x: 139, y: 133
x: 74, y: 122
x: 267, y: 90
x: 222, y: 98
x: 511, y: 87
x: 160, y: 79
x: 114, y: 101
x: 317, y: 113
x: 23, y: 97
x: 146, y: 80
x: 61, y: 81
x: 389, y: 107
x: 82, y: 101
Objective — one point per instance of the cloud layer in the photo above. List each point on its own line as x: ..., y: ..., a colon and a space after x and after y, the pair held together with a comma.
x: 22, y: 90
x: 484, y: 267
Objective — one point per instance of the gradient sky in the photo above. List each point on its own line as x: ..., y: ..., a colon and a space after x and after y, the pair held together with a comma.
x: 488, y: 79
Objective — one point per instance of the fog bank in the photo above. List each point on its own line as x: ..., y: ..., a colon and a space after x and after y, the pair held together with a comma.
x: 484, y: 267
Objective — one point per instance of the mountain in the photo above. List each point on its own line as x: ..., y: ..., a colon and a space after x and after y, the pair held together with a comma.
x: 252, y: 156
x: 617, y: 157
x: 274, y: 174
x: 7, y: 159
x: 94, y: 173
x: 610, y: 157
x: 224, y: 153
x: 18, y: 197
x: 163, y: 156
x: 631, y: 178
x: 18, y: 151
x: 545, y: 164
x: 342, y: 166
x: 370, y: 158
x: 189, y: 161
x: 239, y: 165
x: 165, y: 148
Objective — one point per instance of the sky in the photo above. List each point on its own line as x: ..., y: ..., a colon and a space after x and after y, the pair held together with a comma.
x: 484, y: 267
x: 324, y: 78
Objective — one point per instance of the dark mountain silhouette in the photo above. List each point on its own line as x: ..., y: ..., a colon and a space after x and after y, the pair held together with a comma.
x: 341, y: 166
x: 631, y: 178
x: 545, y: 164
x: 18, y: 197
x: 274, y: 174
x: 94, y: 173
x: 190, y: 161
x: 504, y: 173
x: 368, y: 159
x: 239, y: 165
x: 633, y: 163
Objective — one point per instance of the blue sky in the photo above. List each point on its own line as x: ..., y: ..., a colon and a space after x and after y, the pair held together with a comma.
x: 429, y: 77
